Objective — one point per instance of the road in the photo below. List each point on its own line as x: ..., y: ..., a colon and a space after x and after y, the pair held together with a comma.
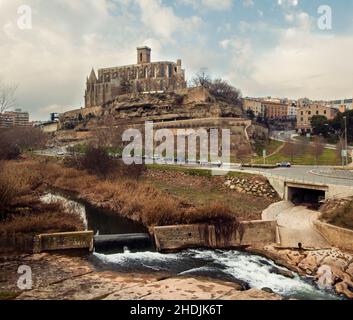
x: 308, y: 174
x: 284, y: 136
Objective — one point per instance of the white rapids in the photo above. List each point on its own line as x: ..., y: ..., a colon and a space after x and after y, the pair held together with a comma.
x: 251, y: 269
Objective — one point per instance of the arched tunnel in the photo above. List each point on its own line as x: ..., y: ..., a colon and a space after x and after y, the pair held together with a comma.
x: 310, y: 196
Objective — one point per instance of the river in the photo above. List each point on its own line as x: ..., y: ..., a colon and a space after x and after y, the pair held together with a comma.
x: 250, y: 270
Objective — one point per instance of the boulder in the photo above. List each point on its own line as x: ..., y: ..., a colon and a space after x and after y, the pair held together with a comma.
x: 281, y: 272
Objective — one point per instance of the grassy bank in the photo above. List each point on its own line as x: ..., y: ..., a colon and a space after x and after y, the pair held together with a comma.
x: 328, y: 157
x: 339, y: 213
x: 21, y: 211
x: 206, y: 189
x: 163, y: 196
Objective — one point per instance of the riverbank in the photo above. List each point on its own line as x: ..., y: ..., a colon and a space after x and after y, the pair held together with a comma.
x: 312, y: 263
x: 61, y: 277
x: 156, y: 199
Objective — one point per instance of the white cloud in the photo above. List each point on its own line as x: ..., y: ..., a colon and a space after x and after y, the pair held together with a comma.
x: 248, y: 3
x: 302, y: 64
x: 288, y: 3
x: 162, y: 19
x: 218, y: 5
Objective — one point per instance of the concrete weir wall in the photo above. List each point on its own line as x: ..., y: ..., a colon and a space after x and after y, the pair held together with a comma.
x: 173, y: 238
x: 64, y: 241
x: 338, y: 237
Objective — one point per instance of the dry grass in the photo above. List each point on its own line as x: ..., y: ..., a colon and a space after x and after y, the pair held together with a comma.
x: 133, y: 199
x: 21, y: 210
x: 339, y: 214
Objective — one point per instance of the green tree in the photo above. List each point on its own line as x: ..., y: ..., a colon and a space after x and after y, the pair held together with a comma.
x: 338, y: 124
x: 250, y: 114
x: 321, y: 126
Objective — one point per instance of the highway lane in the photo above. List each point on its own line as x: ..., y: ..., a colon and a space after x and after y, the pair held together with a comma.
x: 306, y: 174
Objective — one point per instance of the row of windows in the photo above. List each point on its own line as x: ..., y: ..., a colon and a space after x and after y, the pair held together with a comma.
x: 310, y: 113
x: 344, y: 101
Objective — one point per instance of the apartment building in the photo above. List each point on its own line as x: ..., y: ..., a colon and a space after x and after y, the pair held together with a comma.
x: 305, y: 114
x: 292, y: 111
x: 342, y: 105
x: 17, y: 118
x: 254, y: 105
x: 275, y: 110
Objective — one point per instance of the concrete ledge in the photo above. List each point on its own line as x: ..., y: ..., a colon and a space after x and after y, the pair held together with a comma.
x: 338, y: 237
x: 63, y: 241
x: 255, y: 232
x: 172, y: 238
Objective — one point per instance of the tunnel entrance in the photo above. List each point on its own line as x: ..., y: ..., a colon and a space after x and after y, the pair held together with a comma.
x: 312, y: 198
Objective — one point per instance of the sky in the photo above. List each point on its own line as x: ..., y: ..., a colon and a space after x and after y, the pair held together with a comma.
x: 263, y: 47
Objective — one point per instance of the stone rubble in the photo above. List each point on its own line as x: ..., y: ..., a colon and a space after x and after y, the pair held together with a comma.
x: 308, y: 263
x: 257, y: 187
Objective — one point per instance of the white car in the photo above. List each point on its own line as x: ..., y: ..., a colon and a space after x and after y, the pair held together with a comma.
x: 217, y: 164
x: 284, y: 165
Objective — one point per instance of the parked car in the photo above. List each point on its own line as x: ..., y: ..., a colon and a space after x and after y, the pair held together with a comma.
x: 217, y: 164
x: 284, y: 165
x: 204, y: 163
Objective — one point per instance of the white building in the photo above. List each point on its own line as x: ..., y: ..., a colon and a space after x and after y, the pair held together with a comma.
x: 342, y: 105
x: 292, y: 110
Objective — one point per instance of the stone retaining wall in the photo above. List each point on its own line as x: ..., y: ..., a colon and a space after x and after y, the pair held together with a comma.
x: 338, y: 237
x: 64, y: 241
x: 172, y: 238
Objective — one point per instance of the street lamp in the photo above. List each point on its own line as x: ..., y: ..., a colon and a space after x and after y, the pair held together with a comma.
x: 346, y: 139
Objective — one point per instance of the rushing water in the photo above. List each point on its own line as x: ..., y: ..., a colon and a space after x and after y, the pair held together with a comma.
x: 250, y: 270
x: 235, y: 266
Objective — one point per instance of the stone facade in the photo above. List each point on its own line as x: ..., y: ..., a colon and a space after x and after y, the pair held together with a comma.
x: 145, y: 76
x: 306, y: 113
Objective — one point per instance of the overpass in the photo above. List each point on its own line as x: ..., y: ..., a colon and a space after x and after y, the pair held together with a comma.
x: 299, y: 190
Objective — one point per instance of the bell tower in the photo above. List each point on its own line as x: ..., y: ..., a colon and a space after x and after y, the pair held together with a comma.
x: 143, y: 55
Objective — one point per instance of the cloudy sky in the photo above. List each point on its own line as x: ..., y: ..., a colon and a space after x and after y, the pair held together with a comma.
x: 263, y: 47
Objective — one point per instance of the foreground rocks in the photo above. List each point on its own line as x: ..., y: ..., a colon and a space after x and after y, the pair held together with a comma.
x: 60, y: 277
x: 255, y: 186
x: 332, y: 263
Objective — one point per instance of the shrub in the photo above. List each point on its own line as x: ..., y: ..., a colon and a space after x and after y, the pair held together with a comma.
x: 98, y: 162
x: 16, y: 140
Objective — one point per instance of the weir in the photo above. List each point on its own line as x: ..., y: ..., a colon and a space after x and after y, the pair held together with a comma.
x: 118, y: 242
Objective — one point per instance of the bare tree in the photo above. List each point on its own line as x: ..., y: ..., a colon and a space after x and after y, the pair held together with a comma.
x: 7, y: 96
x: 292, y: 149
x: 202, y: 79
x: 318, y: 147
x: 223, y: 90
